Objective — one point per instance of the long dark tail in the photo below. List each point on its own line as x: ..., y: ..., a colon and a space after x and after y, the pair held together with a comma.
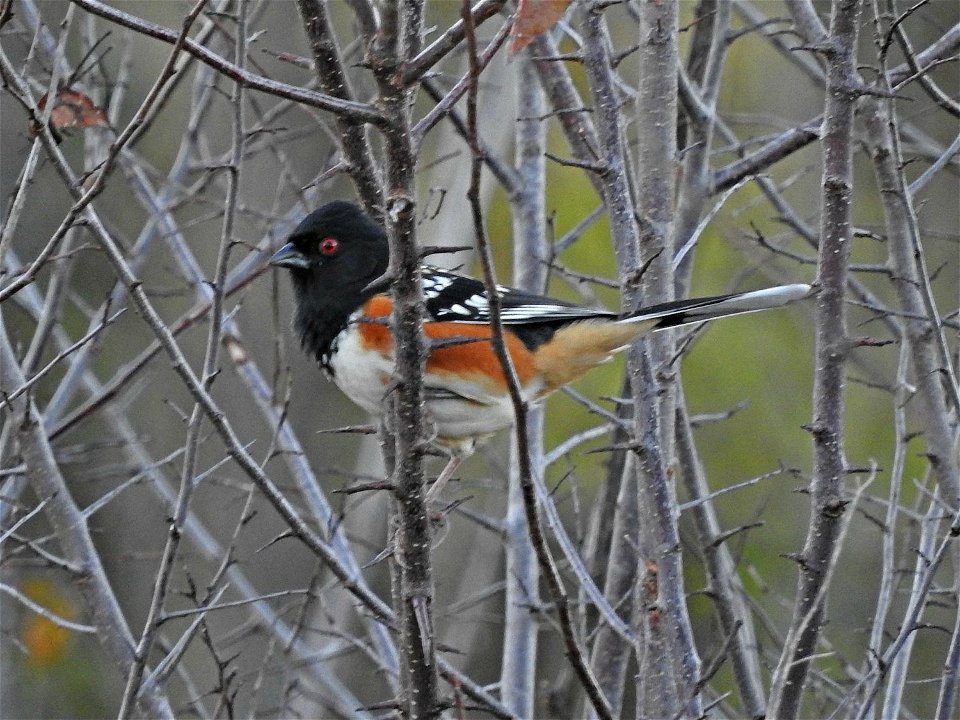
x: 694, y: 310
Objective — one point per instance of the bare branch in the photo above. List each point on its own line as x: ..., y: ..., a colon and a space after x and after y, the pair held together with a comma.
x: 828, y: 502
x: 334, y: 82
x: 358, y: 111
x: 574, y: 648
x: 518, y: 676
x: 413, y: 530
x: 725, y: 587
x: 451, y: 39
x: 44, y: 476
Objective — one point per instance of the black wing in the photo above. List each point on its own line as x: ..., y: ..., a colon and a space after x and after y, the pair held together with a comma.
x: 456, y: 298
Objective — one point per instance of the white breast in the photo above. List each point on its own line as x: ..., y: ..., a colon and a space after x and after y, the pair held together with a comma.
x: 456, y: 408
x: 363, y: 375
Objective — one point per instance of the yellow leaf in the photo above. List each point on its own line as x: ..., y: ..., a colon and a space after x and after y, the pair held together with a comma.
x: 45, y: 640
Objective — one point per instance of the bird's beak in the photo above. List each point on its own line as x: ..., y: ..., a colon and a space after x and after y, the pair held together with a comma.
x: 288, y: 256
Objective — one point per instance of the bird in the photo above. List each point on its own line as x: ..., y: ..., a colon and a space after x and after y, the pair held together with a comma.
x: 337, y: 255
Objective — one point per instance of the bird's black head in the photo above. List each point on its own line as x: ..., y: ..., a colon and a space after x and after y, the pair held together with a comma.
x: 332, y: 255
x: 334, y: 249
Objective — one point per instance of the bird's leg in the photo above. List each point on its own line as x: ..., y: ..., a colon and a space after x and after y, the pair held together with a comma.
x: 443, y: 478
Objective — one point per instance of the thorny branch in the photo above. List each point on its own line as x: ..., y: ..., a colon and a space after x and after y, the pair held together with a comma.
x: 828, y: 498
x: 575, y: 651
x: 92, y: 411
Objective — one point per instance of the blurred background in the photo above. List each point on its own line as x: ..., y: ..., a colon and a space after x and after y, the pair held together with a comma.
x: 758, y: 369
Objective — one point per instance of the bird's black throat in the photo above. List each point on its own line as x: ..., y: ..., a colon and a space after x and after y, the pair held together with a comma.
x: 323, y: 313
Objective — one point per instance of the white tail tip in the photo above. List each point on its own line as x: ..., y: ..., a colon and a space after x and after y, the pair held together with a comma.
x: 770, y: 297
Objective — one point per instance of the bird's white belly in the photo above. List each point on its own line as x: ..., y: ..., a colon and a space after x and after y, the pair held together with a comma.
x: 455, y: 407
x: 454, y: 417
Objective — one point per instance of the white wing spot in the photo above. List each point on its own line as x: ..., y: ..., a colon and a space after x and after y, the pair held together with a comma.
x: 459, y: 310
x: 433, y: 285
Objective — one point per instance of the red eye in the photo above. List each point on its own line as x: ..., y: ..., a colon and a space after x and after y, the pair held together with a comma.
x: 328, y: 246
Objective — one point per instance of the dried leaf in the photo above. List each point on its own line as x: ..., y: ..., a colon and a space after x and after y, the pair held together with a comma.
x: 72, y: 109
x: 533, y: 18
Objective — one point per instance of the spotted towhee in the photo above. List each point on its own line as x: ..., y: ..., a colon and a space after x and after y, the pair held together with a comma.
x: 338, y: 251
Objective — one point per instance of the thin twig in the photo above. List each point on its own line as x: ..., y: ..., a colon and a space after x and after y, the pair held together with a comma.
x: 574, y: 649
x: 310, y: 98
